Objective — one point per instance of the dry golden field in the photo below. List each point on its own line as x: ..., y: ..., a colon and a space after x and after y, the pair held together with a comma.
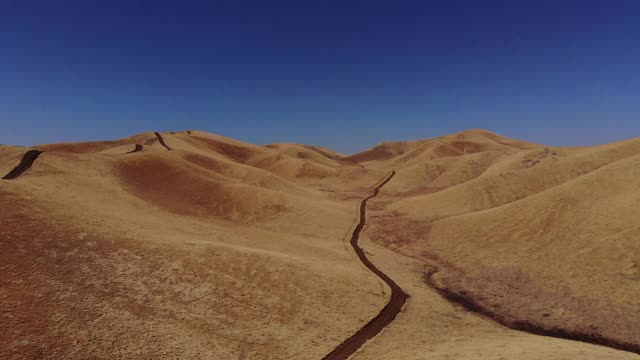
x: 190, y: 245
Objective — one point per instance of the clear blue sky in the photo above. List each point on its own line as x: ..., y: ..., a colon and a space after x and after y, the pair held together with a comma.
x: 343, y: 74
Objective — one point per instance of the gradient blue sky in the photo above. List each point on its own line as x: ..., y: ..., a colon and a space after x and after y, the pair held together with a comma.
x: 343, y: 74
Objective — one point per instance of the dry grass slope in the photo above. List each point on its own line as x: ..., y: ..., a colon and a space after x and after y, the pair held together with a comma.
x: 542, y: 236
x: 223, y: 249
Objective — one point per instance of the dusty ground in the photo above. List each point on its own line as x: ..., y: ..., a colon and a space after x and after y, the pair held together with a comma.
x: 220, y: 249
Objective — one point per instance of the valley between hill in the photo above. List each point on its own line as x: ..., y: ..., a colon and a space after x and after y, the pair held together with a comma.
x: 192, y: 245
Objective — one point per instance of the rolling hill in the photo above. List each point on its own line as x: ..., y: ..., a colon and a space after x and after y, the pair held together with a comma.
x: 194, y: 245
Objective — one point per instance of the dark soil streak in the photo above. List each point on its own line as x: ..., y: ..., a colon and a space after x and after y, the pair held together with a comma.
x: 138, y: 148
x: 469, y: 303
x: 162, y: 140
x: 389, y: 312
x: 26, y: 162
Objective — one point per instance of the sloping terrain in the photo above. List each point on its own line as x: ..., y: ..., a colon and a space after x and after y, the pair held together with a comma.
x: 183, y: 253
x: 193, y: 245
x: 543, y: 239
x: 94, y: 147
x: 10, y: 156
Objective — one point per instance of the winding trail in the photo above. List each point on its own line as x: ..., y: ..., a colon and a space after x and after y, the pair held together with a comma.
x: 393, y: 307
x: 162, y: 141
x: 27, y: 160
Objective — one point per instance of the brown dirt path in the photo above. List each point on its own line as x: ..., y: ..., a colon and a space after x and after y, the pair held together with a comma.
x: 161, y: 139
x: 393, y: 307
x: 137, y: 148
x: 26, y: 162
